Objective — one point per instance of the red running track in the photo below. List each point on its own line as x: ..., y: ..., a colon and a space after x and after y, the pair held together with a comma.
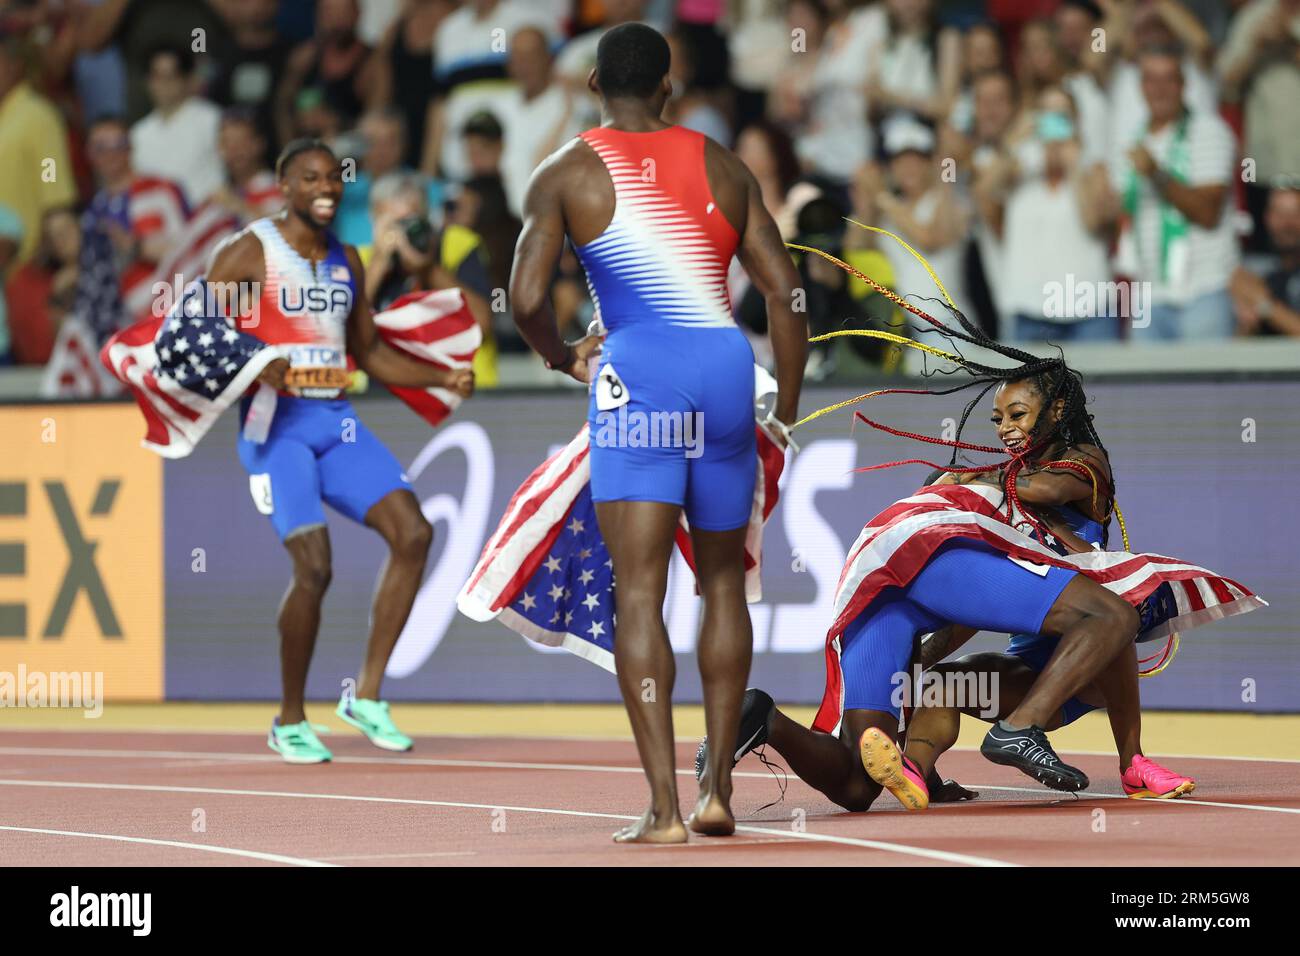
x: 194, y: 799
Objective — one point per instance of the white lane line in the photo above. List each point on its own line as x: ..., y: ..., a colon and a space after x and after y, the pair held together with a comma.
x: 218, y: 756
x: 561, y: 738
x: 272, y: 758
x: 1156, y: 753
x: 205, y: 847
x: 1188, y: 801
x: 940, y: 855
x: 401, y: 856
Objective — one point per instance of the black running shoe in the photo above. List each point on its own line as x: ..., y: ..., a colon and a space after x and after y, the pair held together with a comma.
x: 756, y: 713
x: 1029, y: 752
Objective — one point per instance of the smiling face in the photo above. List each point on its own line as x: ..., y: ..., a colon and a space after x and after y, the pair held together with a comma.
x: 312, y: 186
x: 1017, y: 407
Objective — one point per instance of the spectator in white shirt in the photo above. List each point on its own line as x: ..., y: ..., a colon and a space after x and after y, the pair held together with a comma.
x: 537, y: 115
x: 914, y: 67
x: 1083, y: 50
x: 1055, y: 280
x: 820, y: 91
x: 1163, y: 24
x: 178, y: 139
x: 1175, y: 180
x: 470, y: 51
x: 981, y: 52
x: 927, y: 213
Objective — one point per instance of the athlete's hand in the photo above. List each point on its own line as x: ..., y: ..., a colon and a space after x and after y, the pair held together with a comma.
x: 460, y: 381
x: 583, y: 352
x: 1142, y: 160
x: 273, y: 374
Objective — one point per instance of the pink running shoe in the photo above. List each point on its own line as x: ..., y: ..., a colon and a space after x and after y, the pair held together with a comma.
x: 1147, y: 780
x: 893, y: 771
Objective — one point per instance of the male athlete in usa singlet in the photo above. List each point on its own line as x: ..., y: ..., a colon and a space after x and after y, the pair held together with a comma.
x: 658, y: 277
x: 303, y: 443
x: 656, y: 213
x: 317, y: 450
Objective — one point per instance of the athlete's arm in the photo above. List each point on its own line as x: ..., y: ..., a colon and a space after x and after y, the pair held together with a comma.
x: 1063, y: 487
x: 773, y: 274
x: 383, y: 362
x: 537, y: 253
x: 239, y: 265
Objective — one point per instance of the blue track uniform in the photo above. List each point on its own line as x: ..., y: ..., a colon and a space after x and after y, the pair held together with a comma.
x: 316, y: 449
x: 964, y: 582
x: 672, y: 407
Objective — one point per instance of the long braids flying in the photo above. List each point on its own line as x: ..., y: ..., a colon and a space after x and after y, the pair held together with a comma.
x: 1051, y: 377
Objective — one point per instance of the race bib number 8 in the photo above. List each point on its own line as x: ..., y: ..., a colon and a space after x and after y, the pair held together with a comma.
x: 610, y: 390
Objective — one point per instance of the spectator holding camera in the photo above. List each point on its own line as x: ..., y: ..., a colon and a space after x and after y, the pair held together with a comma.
x: 409, y: 255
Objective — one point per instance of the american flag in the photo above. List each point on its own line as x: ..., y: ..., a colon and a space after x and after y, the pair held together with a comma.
x: 188, y: 259
x: 110, y: 291
x: 190, y: 365
x: 546, y: 573
x: 896, y: 544
x: 111, y: 295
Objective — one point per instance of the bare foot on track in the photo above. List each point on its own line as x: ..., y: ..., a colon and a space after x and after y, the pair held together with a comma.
x: 649, y: 829
x: 712, y: 817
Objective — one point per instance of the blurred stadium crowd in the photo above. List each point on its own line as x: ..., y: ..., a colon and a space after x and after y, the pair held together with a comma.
x: 1073, y: 169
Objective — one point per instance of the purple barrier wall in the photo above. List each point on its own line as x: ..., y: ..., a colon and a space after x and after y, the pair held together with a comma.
x: 1204, y: 472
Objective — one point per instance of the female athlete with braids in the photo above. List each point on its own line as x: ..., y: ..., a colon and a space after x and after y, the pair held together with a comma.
x: 1076, y: 524
x: 949, y: 559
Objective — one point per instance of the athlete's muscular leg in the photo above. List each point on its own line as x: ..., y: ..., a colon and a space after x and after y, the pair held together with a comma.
x: 639, y: 535
x: 300, y: 615
x: 832, y: 764
x: 397, y: 518
x: 1117, y: 686
x: 1094, y: 626
x: 931, y: 731
x: 726, y: 648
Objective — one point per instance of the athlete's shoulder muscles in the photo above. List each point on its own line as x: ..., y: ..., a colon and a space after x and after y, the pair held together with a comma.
x: 1092, y: 456
x: 238, y: 259
x: 730, y: 181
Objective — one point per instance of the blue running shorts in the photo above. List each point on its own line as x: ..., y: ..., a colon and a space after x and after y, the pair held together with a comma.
x: 672, y: 420
x: 317, y: 450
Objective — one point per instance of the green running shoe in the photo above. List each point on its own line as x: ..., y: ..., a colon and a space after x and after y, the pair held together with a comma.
x: 298, y: 743
x: 371, y: 718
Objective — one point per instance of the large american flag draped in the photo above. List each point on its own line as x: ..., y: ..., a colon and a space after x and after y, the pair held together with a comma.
x: 896, y: 544
x: 189, y: 366
x: 546, y: 573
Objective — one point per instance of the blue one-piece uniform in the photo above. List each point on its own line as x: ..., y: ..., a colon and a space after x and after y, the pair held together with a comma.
x: 968, y: 583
